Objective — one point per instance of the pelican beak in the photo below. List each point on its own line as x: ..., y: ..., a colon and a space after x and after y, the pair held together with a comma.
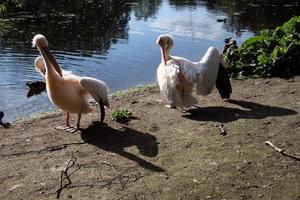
x: 164, y: 55
x: 52, y: 59
x: 162, y: 45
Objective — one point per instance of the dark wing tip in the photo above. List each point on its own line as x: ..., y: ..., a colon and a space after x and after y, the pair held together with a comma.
x: 102, y: 109
x: 223, y: 83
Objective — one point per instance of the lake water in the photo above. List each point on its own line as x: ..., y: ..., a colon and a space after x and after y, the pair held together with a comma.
x: 115, y: 42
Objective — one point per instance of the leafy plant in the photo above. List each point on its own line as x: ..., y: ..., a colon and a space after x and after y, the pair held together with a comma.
x: 270, y: 53
x: 121, y: 115
x: 2, y: 8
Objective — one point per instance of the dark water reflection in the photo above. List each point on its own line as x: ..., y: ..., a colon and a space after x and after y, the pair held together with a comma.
x: 115, y: 40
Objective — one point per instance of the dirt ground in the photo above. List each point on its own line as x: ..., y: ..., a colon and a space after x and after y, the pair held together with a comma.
x: 162, y: 153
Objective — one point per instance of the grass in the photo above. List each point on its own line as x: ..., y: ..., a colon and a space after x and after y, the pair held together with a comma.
x: 121, y: 115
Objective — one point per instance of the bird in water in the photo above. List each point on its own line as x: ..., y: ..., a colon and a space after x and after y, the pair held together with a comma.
x: 177, y: 76
x: 35, y: 88
x: 68, y: 92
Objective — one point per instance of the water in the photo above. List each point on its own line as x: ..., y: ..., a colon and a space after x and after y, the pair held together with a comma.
x: 115, y: 42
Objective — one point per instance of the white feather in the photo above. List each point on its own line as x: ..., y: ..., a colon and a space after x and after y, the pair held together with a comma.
x: 65, y: 90
x: 168, y: 81
x: 39, y: 41
x: 96, y: 88
x: 203, y: 74
x: 207, y: 69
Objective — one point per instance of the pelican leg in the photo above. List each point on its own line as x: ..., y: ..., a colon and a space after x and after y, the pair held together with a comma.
x: 72, y: 129
x: 67, y: 126
x: 67, y: 120
x: 78, y: 121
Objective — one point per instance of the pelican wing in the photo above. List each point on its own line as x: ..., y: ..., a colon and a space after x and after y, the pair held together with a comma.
x: 176, y: 82
x: 186, y: 67
x: 96, y: 88
x: 207, y: 69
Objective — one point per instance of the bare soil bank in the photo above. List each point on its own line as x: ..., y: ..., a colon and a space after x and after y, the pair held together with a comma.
x: 162, y: 153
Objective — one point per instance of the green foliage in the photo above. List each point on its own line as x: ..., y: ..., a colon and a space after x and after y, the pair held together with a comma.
x: 2, y: 8
x: 270, y: 53
x: 8, y: 3
x: 2, y: 26
x: 121, y: 115
x: 19, y: 3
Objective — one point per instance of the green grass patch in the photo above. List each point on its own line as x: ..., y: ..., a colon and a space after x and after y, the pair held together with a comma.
x: 121, y: 115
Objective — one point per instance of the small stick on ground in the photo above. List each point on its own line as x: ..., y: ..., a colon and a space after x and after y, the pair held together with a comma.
x: 281, y: 151
x: 65, y: 176
x: 223, y: 132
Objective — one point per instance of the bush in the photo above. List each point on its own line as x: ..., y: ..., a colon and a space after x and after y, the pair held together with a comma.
x: 121, y: 115
x: 270, y: 53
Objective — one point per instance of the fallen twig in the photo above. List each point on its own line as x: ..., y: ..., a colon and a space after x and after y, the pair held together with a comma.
x: 223, y: 132
x: 65, y: 176
x: 48, y: 148
x: 282, y: 151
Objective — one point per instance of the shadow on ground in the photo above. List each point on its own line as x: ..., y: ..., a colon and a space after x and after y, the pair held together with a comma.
x: 248, y: 110
x: 115, y: 140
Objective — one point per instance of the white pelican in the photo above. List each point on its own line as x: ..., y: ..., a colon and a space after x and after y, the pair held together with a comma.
x: 68, y: 92
x: 177, y: 76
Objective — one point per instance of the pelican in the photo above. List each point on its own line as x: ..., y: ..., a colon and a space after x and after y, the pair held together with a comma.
x: 68, y: 92
x: 177, y: 76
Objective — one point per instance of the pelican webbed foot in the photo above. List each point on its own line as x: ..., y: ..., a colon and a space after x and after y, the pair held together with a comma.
x: 66, y: 128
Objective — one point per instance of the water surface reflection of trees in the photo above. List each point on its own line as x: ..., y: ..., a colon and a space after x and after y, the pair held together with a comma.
x: 252, y: 15
x: 75, y: 25
x: 71, y: 25
x: 146, y: 8
x: 95, y: 25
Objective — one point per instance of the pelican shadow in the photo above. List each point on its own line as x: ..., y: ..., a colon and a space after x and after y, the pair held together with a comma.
x: 115, y: 140
x: 248, y: 110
